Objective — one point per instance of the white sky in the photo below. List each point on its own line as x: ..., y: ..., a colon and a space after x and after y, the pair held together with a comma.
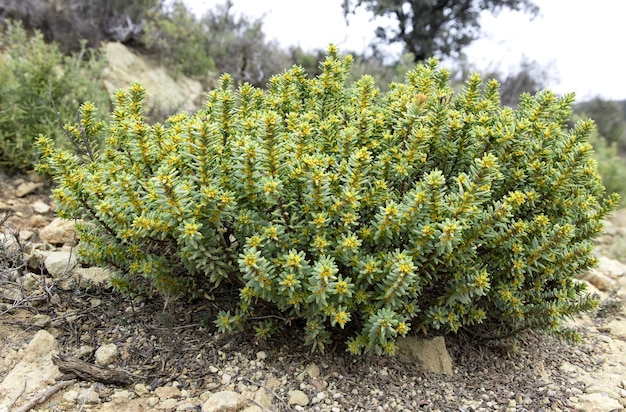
x: 580, y: 41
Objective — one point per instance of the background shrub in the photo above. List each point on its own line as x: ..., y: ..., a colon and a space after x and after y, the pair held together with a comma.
x: 340, y: 208
x: 40, y: 87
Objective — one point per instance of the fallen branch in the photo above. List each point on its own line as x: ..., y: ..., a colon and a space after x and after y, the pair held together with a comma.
x: 90, y: 372
x: 44, y: 395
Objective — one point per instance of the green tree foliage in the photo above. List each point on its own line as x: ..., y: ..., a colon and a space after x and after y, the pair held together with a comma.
x: 433, y: 27
x: 40, y: 87
x: 178, y: 40
x: 417, y: 209
x: 610, y: 119
x: 219, y: 41
x: 238, y: 46
x: 611, y: 165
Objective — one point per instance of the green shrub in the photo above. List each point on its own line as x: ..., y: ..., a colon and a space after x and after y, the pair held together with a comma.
x: 39, y: 87
x: 611, y: 165
x: 416, y: 210
x: 178, y: 39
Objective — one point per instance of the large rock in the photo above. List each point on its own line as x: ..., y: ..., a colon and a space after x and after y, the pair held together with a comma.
x: 33, y: 373
x: 611, y: 267
x: 162, y: 90
x: 58, y: 232
x: 431, y: 354
x: 598, y: 402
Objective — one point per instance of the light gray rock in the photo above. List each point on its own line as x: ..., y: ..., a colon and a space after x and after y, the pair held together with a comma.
x: 598, y: 402
x: 141, y: 389
x: 94, y: 275
x: 27, y: 188
x: 598, y: 279
x: 297, y: 397
x: 165, y: 392
x: 33, y: 372
x: 58, y: 232
x: 611, y: 267
x: 431, y: 354
x: 106, y: 354
x: 89, y: 396
x: 59, y: 264
x: 162, y: 90
x: 41, y: 207
x: 312, y: 370
x: 224, y: 401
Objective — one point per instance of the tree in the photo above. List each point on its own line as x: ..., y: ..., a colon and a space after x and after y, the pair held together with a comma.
x: 609, y: 118
x: 527, y: 76
x: 434, y: 27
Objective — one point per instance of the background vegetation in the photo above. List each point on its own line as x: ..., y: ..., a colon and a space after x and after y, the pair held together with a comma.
x: 65, y: 35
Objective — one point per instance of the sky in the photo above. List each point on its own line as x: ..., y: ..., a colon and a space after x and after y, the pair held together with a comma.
x: 579, y: 43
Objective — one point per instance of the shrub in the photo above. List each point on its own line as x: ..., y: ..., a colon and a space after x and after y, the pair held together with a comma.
x: 418, y: 209
x: 178, y: 39
x: 611, y: 165
x: 39, y: 87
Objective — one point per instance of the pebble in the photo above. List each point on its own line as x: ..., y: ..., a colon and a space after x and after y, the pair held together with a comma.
x: 261, y: 355
x: 226, y: 378
x: 165, y: 392
x: 167, y: 404
x: 297, y: 397
x: 106, y: 354
x: 141, y: 389
x: 312, y: 370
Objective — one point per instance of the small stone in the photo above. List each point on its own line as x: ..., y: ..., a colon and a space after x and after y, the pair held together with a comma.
x: 106, y: 354
x: 226, y: 378
x: 431, y: 354
x: 165, y: 392
x: 167, y: 404
x: 41, y: 207
x: 312, y: 370
x: 92, y: 275
x: 153, y: 400
x: 89, y: 396
x: 261, y: 355
x: 70, y: 396
x: 27, y: 188
x: 121, y: 395
x: 297, y: 397
x: 83, y: 351
x: 273, y: 383
x: 58, y: 232
x: 224, y: 401
x: 40, y: 320
x: 60, y: 263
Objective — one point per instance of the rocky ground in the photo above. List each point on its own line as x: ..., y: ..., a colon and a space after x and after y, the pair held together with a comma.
x: 70, y: 343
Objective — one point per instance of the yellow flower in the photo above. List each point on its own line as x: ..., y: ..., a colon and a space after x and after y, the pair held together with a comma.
x: 341, y: 318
